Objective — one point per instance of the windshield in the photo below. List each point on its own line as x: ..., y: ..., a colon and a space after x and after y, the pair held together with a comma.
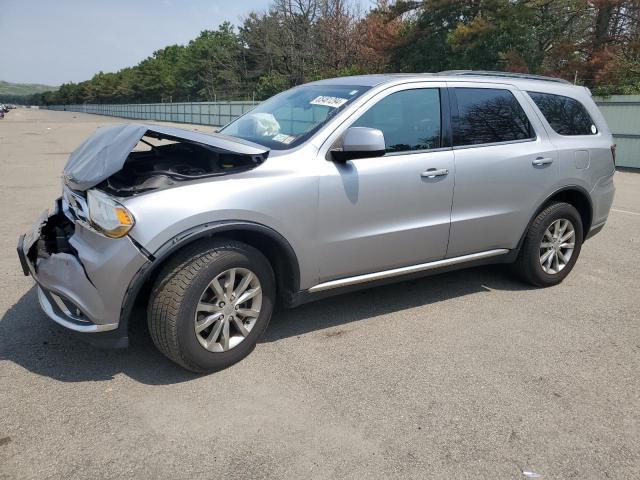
x: 291, y: 117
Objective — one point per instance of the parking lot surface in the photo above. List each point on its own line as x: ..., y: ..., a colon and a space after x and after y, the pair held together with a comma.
x: 468, y: 374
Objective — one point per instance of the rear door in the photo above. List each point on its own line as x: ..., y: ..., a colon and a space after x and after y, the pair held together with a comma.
x: 505, y: 166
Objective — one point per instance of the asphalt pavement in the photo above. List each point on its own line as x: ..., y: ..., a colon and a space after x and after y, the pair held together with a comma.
x: 470, y: 374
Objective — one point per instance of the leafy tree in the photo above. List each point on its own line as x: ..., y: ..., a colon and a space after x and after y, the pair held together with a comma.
x: 270, y: 84
x: 592, y: 42
x: 214, y: 62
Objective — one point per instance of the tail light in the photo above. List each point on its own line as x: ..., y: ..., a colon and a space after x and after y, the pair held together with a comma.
x: 613, y: 154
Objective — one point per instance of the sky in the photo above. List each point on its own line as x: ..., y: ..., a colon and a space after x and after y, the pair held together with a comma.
x: 57, y: 41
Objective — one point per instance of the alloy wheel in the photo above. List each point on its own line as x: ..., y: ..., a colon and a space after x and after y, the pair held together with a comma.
x: 228, y: 309
x: 556, y: 247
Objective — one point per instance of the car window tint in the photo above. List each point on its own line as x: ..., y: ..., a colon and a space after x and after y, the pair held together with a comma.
x: 409, y: 120
x: 488, y: 115
x: 566, y: 115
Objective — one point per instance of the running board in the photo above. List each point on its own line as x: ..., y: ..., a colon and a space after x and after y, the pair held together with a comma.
x: 396, y: 272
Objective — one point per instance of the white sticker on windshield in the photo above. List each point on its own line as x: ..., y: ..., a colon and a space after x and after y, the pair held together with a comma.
x: 594, y: 130
x: 326, y: 101
x: 283, y: 138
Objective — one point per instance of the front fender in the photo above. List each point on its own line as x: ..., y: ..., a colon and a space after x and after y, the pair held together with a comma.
x: 276, y: 195
x: 147, y: 271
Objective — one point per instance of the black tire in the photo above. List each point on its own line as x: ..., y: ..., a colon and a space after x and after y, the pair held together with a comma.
x: 527, y: 265
x: 177, y: 291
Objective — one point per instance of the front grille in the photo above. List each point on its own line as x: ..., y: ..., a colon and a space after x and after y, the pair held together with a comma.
x: 54, y: 237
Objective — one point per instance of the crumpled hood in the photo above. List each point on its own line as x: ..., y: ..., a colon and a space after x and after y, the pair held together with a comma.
x: 105, y: 152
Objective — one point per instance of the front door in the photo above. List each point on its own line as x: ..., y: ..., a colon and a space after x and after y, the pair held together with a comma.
x: 386, y: 212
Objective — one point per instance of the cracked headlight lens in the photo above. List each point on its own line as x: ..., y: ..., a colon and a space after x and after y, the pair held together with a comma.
x: 108, y: 216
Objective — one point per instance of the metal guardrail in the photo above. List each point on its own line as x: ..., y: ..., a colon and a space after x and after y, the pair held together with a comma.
x: 622, y: 113
x: 215, y: 114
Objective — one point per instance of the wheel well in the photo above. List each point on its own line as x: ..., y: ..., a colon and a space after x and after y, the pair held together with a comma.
x: 284, y: 266
x: 278, y: 253
x: 579, y: 200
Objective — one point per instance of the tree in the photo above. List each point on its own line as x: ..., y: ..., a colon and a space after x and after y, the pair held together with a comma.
x: 594, y: 42
x: 215, y: 61
x: 377, y: 36
x: 270, y: 84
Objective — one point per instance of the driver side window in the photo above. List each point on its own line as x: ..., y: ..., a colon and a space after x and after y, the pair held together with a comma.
x: 410, y: 120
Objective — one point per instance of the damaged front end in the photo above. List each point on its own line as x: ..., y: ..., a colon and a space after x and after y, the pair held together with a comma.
x: 82, y: 276
x: 80, y: 253
x: 125, y: 160
x: 171, y: 164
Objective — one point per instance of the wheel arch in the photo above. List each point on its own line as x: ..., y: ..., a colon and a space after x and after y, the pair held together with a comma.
x: 270, y: 243
x: 574, y: 195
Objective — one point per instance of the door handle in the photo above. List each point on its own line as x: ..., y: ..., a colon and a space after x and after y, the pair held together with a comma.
x: 435, y: 172
x: 542, y: 161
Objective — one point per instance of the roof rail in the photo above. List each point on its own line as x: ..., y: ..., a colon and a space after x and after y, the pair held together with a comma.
x: 488, y: 73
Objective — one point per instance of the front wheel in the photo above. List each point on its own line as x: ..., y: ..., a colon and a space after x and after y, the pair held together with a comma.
x: 551, y: 245
x: 210, y: 305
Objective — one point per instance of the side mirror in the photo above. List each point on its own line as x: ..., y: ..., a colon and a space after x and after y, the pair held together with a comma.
x: 360, y: 142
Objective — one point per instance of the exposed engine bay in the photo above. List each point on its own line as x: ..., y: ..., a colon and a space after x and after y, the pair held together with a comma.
x: 131, y: 158
x: 161, y: 166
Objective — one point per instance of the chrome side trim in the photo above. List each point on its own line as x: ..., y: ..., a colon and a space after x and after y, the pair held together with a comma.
x: 89, y: 328
x: 396, y: 272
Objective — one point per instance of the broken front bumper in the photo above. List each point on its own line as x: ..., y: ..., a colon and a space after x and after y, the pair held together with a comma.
x: 82, y: 276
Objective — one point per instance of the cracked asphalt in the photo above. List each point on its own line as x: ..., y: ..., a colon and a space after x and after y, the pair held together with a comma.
x: 468, y: 374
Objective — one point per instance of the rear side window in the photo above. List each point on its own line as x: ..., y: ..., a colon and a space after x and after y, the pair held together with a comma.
x: 489, y: 115
x: 409, y: 120
x: 566, y: 115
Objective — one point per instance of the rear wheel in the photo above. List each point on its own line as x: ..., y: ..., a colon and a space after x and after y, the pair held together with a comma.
x: 210, y: 305
x: 551, y: 246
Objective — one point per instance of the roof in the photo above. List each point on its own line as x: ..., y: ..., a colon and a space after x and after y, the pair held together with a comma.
x: 521, y: 80
x: 510, y: 75
x: 365, y: 80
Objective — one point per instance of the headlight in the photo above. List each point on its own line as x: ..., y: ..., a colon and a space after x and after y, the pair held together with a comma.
x: 108, y: 216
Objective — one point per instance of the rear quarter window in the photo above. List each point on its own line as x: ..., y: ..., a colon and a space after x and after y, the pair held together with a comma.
x: 566, y: 115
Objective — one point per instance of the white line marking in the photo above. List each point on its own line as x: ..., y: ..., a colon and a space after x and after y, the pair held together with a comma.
x: 625, y: 211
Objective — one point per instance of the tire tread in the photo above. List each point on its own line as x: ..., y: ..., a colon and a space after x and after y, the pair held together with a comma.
x: 169, y: 290
x: 523, y: 263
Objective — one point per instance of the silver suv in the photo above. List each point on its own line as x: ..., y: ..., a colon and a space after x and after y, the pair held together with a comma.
x: 327, y: 187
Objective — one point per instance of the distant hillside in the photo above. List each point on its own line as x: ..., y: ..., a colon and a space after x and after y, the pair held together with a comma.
x: 23, y: 89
